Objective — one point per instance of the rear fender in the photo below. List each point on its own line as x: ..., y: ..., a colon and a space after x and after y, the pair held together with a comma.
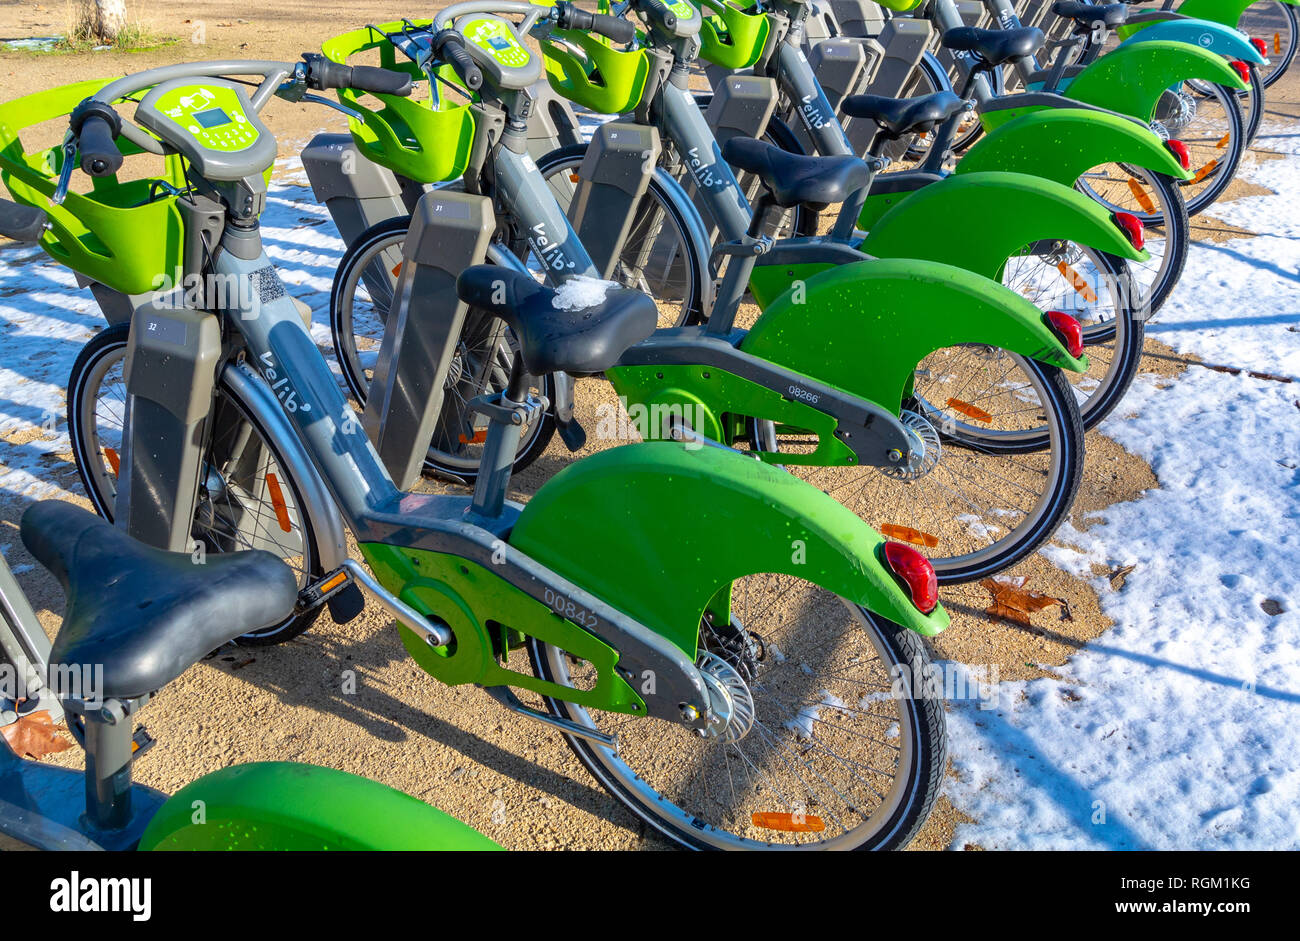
x: 864, y: 327
x: 1008, y: 210
x: 280, y: 805
x: 1062, y: 144
x: 662, y: 530
x: 1130, y: 79
x: 1204, y: 34
x: 1227, y: 12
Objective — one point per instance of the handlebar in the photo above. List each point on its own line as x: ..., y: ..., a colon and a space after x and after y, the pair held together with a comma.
x: 614, y: 28
x: 657, y: 11
x: 324, y: 74
x: 449, y: 46
x: 96, y: 127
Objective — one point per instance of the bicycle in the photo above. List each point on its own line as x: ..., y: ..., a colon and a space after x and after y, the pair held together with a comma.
x: 111, y: 656
x: 738, y: 386
x: 470, y: 578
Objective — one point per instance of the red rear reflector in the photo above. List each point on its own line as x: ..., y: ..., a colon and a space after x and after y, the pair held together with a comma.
x: 915, y: 571
x: 906, y: 533
x: 1179, y: 150
x: 1068, y: 330
x: 277, y: 503
x: 1260, y: 46
x: 1132, y: 228
x: 970, y: 411
x: 792, y: 823
x: 1242, y: 70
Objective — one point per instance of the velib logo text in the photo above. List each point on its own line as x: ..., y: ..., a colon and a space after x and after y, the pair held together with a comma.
x: 105, y: 894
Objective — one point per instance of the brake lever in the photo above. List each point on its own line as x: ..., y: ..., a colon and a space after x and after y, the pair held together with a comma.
x: 65, y: 173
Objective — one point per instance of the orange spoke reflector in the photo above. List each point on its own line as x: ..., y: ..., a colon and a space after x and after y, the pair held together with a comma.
x: 1140, y: 194
x: 1204, y: 171
x: 792, y: 823
x: 479, y: 437
x: 114, y: 461
x: 277, y: 501
x: 970, y: 411
x: 1077, y: 281
x: 908, y: 534
x: 1223, y: 141
x: 397, y: 269
x: 574, y: 178
x: 1277, y: 44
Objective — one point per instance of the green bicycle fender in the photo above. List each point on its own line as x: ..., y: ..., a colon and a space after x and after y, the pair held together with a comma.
x: 1013, y: 210
x: 1061, y: 144
x: 280, y: 805
x: 1204, y: 34
x: 1131, y: 78
x: 899, y: 311
x: 660, y: 529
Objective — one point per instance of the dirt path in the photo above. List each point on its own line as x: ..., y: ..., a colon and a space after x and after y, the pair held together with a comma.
x: 348, y: 696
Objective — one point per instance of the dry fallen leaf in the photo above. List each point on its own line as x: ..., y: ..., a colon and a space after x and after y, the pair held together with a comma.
x: 1013, y: 602
x: 35, y: 736
x: 1120, y: 575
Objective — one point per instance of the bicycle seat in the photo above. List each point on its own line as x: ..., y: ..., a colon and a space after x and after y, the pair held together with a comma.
x: 582, y: 328
x: 899, y: 116
x: 1085, y: 14
x: 794, y: 179
x: 144, y: 614
x: 994, y: 46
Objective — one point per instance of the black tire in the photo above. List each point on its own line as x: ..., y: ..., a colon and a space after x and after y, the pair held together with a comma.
x: 1114, y: 345
x: 925, y: 770
x: 1279, y: 26
x: 88, y: 372
x: 695, y: 283
x: 1167, y: 219
x: 1215, y: 171
x: 1061, y: 441
x: 343, y: 335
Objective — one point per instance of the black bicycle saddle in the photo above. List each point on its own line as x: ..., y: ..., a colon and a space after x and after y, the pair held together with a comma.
x: 994, y: 46
x: 1085, y: 14
x: 583, y: 328
x: 899, y: 116
x: 794, y: 179
x: 144, y: 614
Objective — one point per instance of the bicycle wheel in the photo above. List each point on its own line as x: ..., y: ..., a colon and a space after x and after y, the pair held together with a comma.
x: 998, y: 454
x: 246, y: 500
x: 359, y: 303
x: 837, y: 755
x: 1212, y: 127
x: 1279, y: 26
x: 1250, y: 100
x: 1157, y: 201
x: 1092, y: 287
x: 659, y: 257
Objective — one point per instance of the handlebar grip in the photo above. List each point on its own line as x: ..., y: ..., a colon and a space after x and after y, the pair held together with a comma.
x: 384, y: 81
x: 21, y: 223
x: 450, y: 47
x: 659, y: 12
x: 614, y: 28
x: 96, y: 127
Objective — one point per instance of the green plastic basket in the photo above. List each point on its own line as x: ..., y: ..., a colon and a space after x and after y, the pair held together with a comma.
x: 733, y: 33
x: 120, y: 233
x: 411, y: 138
x: 604, y: 79
x: 900, y: 6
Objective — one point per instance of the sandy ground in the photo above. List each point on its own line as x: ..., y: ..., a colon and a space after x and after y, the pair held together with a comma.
x: 457, y: 748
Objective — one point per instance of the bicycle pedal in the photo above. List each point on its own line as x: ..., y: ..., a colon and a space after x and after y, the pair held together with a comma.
x: 141, y: 742
x: 338, y: 591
